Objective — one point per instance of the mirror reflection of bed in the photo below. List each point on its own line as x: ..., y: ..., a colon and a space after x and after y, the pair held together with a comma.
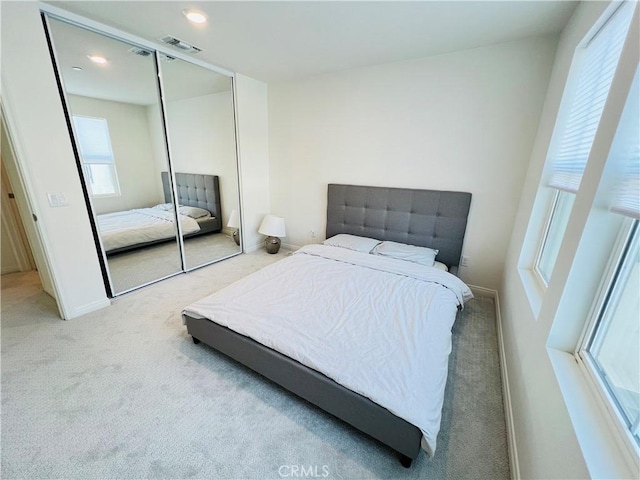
x: 140, y: 243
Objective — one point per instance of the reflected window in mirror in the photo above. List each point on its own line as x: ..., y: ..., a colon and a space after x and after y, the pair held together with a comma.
x: 97, y: 156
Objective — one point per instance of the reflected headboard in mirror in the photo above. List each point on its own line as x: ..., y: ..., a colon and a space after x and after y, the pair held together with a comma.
x: 195, y: 190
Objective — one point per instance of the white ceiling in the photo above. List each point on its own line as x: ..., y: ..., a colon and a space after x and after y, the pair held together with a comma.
x: 126, y: 77
x: 273, y: 41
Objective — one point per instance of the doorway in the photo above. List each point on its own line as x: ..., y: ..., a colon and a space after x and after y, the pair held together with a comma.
x: 16, y: 252
x: 19, y: 230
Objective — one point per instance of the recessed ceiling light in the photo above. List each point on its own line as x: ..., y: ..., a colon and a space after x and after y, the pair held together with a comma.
x: 195, y: 16
x: 79, y: 69
x: 97, y: 59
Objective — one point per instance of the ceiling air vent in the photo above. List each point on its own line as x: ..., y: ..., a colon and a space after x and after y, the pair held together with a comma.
x: 184, y: 46
x: 140, y: 51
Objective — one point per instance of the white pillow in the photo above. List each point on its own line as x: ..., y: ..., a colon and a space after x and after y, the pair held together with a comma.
x: 410, y: 253
x: 441, y: 266
x: 352, y: 242
x: 164, y: 206
x: 194, y: 212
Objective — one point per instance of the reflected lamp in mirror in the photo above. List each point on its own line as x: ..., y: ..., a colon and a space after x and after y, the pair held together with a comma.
x: 272, y: 227
x: 234, y: 222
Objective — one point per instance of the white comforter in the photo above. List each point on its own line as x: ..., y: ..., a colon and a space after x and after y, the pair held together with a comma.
x: 380, y: 327
x: 121, y: 229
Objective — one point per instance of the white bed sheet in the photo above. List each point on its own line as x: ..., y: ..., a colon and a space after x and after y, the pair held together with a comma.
x: 380, y: 327
x: 130, y: 227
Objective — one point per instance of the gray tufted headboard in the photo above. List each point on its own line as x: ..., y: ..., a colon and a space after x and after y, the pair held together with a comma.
x: 427, y: 218
x: 195, y: 190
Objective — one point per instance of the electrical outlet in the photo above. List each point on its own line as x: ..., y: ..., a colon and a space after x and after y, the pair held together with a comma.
x: 312, y: 233
x: 464, y: 261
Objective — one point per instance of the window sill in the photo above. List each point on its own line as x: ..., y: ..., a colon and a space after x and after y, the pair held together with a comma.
x: 598, y: 441
x: 532, y: 288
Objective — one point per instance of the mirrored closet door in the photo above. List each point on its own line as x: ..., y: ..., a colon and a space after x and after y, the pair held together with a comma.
x: 118, y: 112
x: 201, y: 130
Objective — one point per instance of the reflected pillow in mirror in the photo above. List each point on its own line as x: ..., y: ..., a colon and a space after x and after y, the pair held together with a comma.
x: 194, y: 212
x: 352, y: 242
x: 410, y: 253
x: 164, y: 206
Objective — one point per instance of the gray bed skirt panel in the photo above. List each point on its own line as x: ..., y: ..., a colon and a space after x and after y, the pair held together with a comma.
x: 212, y: 226
x: 314, y: 387
x: 427, y: 218
x: 207, y: 225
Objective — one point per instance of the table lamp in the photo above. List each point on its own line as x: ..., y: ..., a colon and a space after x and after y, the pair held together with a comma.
x: 234, y: 222
x: 273, y: 227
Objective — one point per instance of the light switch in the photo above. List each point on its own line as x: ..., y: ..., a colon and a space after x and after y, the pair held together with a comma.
x: 57, y: 199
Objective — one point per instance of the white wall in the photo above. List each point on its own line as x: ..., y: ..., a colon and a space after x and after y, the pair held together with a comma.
x: 461, y: 121
x: 202, y: 134
x: 35, y: 119
x: 158, y: 142
x: 546, y: 441
x: 253, y: 147
x: 129, y: 129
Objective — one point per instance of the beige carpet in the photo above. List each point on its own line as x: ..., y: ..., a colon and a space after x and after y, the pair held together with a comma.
x: 123, y: 393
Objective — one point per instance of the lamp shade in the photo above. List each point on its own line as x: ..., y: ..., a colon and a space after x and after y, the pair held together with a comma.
x: 234, y: 219
x: 272, y: 226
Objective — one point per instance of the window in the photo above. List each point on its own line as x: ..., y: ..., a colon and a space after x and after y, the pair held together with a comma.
x: 597, y: 62
x: 612, y: 349
x: 558, y: 219
x: 98, y: 163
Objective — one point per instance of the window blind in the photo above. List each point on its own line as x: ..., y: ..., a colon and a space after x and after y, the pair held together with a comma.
x: 627, y: 200
x: 600, y: 60
x: 627, y: 190
x: 93, y: 139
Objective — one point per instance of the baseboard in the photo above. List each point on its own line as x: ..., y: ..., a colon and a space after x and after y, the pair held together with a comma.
x: 290, y: 246
x: 483, y: 291
x: 90, y: 307
x: 506, y: 391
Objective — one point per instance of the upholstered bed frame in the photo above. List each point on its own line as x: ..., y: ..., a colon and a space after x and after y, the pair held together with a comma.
x: 427, y: 218
x: 430, y: 218
x: 194, y: 190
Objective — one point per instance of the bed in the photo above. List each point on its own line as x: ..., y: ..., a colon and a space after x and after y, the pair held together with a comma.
x: 199, y: 213
x: 251, y: 319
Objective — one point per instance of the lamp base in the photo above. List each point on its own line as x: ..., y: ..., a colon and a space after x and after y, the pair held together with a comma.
x: 236, y: 237
x: 272, y: 244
